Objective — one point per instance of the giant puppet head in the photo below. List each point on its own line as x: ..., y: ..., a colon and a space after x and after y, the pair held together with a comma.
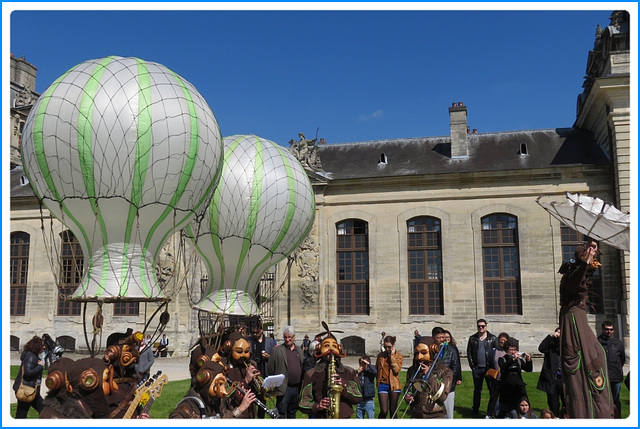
x: 329, y: 345
x: 426, y: 350
x: 210, y: 381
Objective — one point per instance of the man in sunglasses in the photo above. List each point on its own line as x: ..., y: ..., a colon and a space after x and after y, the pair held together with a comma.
x: 615, y: 360
x: 479, y: 348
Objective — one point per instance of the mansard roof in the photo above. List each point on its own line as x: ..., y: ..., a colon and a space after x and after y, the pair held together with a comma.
x: 515, y: 150
x: 558, y: 147
x: 19, y: 183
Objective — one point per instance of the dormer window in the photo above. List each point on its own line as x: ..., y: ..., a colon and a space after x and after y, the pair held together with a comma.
x: 24, y: 180
x: 523, y: 149
x: 383, y: 159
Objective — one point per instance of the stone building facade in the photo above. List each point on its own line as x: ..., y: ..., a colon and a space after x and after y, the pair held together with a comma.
x: 409, y: 233
x: 459, y: 181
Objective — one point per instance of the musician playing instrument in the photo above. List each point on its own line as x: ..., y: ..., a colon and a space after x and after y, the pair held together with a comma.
x: 203, y: 399
x: 330, y: 389
x: 242, y: 370
x: 77, y: 390
x: 426, y: 396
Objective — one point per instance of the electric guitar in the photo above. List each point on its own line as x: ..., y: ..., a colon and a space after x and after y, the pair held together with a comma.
x: 143, y: 389
x: 154, y: 393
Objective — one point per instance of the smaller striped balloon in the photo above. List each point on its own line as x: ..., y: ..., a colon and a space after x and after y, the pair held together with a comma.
x: 260, y: 212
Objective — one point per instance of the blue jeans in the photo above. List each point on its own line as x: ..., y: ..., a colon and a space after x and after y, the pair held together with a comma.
x: 287, y: 404
x: 365, y: 405
x: 615, y: 391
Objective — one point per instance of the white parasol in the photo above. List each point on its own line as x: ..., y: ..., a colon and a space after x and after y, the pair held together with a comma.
x: 591, y: 216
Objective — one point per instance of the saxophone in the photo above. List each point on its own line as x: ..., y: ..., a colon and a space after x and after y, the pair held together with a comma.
x: 333, y: 412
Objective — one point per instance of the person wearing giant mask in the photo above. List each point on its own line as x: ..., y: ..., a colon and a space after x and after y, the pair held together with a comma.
x: 242, y: 372
x: 584, y: 367
x: 426, y: 395
x: 330, y: 389
x: 79, y: 390
x: 203, y: 399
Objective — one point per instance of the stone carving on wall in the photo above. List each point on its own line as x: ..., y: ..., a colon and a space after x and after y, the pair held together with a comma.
x: 16, y: 125
x: 306, y: 151
x: 165, y: 265
x: 306, y: 259
x: 25, y: 97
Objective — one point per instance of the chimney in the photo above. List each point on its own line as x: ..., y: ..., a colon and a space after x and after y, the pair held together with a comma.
x: 458, y: 123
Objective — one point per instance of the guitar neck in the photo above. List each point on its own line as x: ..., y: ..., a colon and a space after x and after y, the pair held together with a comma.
x: 134, y: 404
x: 148, y: 405
x: 140, y: 392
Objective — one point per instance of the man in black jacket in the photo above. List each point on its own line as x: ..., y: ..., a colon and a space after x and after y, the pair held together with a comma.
x: 479, y: 347
x: 550, y: 380
x: 615, y: 360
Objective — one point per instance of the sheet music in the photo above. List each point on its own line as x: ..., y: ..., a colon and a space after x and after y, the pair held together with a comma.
x: 273, y: 381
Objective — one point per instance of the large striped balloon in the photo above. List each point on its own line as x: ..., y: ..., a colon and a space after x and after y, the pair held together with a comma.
x: 260, y: 212
x: 123, y: 152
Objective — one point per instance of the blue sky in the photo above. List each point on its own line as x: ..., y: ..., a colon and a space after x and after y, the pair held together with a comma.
x: 351, y: 75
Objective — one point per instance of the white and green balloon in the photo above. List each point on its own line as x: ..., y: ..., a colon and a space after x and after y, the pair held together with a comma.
x: 260, y: 212
x: 123, y: 152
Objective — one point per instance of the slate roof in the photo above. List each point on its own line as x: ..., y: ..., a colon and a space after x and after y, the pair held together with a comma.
x: 18, y: 189
x: 431, y: 155
x: 487, y: 152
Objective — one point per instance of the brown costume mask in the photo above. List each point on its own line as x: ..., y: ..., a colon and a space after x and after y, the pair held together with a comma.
x: 240, y: 351
x: 426, y: 350
x: 211, y: 380
x: 86, y: 381
x: 330, y: 346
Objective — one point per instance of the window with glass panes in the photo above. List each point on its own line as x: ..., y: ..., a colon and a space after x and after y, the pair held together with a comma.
x: 570, y: 239
x: 18, y: 271
x: 126, y: 308
x: 424, y: 248
x: 352, y: 242
x: 71, y: 270
x: 501, y: 264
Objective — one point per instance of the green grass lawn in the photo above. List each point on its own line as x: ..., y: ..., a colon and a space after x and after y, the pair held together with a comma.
x: 174, y: 391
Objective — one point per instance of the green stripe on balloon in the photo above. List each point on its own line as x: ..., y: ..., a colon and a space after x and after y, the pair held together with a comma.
x: 291, y: 208
x: 38, y: 143
x: 254, y: 208
x: 143, y: 145
x: 85, y: 153
x: 214, y: 216
x: 192, y: 234
x: 194, y: 146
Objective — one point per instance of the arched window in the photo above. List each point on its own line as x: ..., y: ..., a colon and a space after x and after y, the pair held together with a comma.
x: 570, y: 239
x: 352, y: 243
x: 424, y: 248
x: 18, y: 272
x: 71, y: 270
x: 501, y: 264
